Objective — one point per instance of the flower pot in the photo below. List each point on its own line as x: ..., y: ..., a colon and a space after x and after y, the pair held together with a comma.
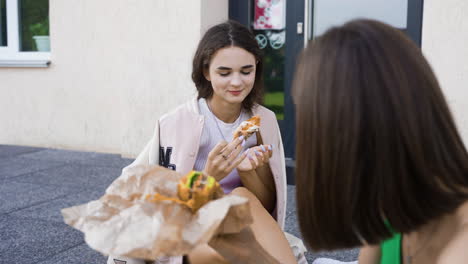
x: 42, y: 43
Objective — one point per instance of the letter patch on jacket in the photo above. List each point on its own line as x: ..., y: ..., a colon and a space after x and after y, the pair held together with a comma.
x: 165, y: 158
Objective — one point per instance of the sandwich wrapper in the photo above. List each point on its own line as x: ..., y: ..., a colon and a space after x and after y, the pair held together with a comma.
x: 122, y: 223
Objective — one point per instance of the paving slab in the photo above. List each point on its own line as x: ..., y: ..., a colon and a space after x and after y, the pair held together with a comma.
x: 292, y: 226
x: 36, y: 183
x: 74, y: 175
x: 17, y: 165
x: 18, y: 195
x: 107, y: 161
x: 50, y: 211
x: 78, y: 157
x: 11, y: 150
x: 291, y: 196
x: 77, y: 255
x: 32, y: 240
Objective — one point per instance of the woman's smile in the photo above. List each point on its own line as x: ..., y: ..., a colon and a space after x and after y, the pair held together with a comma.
x: 236, y: 93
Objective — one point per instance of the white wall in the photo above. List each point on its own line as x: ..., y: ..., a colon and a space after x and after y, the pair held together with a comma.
x: 117, y: 65
x: 213, y: 12
x: 445, y: 44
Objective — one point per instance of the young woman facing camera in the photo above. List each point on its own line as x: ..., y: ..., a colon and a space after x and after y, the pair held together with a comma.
x: 198, y: 135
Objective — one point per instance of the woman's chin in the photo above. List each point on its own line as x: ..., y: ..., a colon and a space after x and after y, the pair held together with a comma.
x: 235, y: 99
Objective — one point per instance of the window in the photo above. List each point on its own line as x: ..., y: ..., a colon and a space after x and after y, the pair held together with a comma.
x: 3, y: 29
x: 24, y: 38
x: 328, y: 13
x: 403, y: 14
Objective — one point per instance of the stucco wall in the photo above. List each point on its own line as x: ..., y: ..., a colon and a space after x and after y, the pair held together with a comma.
x: 445, y: 44
x: 117, y: 65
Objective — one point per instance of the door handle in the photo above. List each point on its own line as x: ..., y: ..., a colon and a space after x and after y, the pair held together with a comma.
x: 299, y: 28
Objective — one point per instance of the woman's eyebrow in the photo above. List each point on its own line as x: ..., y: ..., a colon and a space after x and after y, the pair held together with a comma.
x: 223, y: 68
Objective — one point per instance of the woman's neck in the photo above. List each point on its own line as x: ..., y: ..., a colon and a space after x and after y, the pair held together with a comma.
x: 431, y: 239
x: 224, y: 111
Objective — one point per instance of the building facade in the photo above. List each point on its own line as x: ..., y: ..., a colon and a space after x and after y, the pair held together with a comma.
x: 115, y: 66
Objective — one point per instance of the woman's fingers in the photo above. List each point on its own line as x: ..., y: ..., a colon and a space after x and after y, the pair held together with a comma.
x: 237, y: 161
x: 234, y: 154
x: 233, y: 145
x: 226, y: 156
x: 270, y: 150
x: 217, y: 150
x: 223, y: 157
x: 262, y: 157
x: 267, y: 151
x: 252, y: 160
x: 216, y: 162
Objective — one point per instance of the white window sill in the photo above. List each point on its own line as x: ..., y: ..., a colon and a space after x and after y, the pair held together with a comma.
x: 25, y: 60
x: 24, y: 63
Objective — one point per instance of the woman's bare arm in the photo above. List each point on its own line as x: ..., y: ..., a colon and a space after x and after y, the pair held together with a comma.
x: 261, y: 183
x: 369, y: 255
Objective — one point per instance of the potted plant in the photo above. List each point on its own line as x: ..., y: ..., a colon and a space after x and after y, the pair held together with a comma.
x: 40, y: 33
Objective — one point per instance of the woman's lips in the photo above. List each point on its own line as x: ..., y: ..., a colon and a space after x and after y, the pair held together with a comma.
x: 235, y: 93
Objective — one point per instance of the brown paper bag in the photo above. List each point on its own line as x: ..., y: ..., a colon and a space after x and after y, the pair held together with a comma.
x: 122, y: 223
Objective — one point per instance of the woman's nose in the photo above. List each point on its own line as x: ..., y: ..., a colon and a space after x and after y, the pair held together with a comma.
x: 236, y: 79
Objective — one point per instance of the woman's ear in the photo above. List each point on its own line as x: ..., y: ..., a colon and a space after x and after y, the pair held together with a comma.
x: 206, y: 73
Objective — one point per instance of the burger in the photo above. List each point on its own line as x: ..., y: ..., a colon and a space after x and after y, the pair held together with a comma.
x: 248, y: 127
x: 197, y: 189
x: 194, y: 190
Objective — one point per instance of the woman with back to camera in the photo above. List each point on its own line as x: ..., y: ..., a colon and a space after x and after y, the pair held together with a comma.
x: 198, y: 135
x: 379, y: 155
x: 380, y: 163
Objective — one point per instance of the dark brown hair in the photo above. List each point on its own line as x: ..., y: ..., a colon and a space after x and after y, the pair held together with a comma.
x: 227, y: 34
x: 377, y: 146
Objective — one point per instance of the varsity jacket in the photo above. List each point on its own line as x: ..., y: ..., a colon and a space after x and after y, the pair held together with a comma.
x: 175, y: 142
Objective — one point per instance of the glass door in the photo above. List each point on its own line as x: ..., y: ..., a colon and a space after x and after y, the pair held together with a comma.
x: 283, y: 27
x: 278, y: 28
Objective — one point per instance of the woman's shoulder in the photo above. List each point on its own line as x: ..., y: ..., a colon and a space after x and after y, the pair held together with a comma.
x: 456, y: 250
x: 263, y: 112
x: 187, y: 109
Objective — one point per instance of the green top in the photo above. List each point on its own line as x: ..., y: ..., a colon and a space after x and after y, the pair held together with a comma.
x: 391, y: 250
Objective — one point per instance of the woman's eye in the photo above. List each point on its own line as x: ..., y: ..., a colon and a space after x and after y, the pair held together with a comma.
x: 224, y: 73
x: 245, y: 73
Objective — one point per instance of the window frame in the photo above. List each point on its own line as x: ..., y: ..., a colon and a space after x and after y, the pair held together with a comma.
x: 11, y: 55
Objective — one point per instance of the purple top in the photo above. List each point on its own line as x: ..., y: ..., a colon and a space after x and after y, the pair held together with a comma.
x: 214, y: 131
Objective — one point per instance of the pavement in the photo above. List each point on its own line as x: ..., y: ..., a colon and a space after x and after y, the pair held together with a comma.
x: 37, y: 182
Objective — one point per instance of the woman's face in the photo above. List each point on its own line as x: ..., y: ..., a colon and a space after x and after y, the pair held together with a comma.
x: 232, y: 74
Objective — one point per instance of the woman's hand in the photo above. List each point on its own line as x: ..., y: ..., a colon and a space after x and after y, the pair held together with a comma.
x: 224, y: 158
x: 256, y: 157
x: 241, y: 248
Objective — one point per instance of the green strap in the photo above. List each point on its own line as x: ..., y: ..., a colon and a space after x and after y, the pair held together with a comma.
x: 391, y: 250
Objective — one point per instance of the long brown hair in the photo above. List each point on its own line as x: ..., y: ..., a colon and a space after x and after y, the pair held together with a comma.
x: 227, y: 34
x: 377, y: 147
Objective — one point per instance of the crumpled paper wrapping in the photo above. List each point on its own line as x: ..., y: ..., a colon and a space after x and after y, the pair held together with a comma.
x: 122, y: 223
